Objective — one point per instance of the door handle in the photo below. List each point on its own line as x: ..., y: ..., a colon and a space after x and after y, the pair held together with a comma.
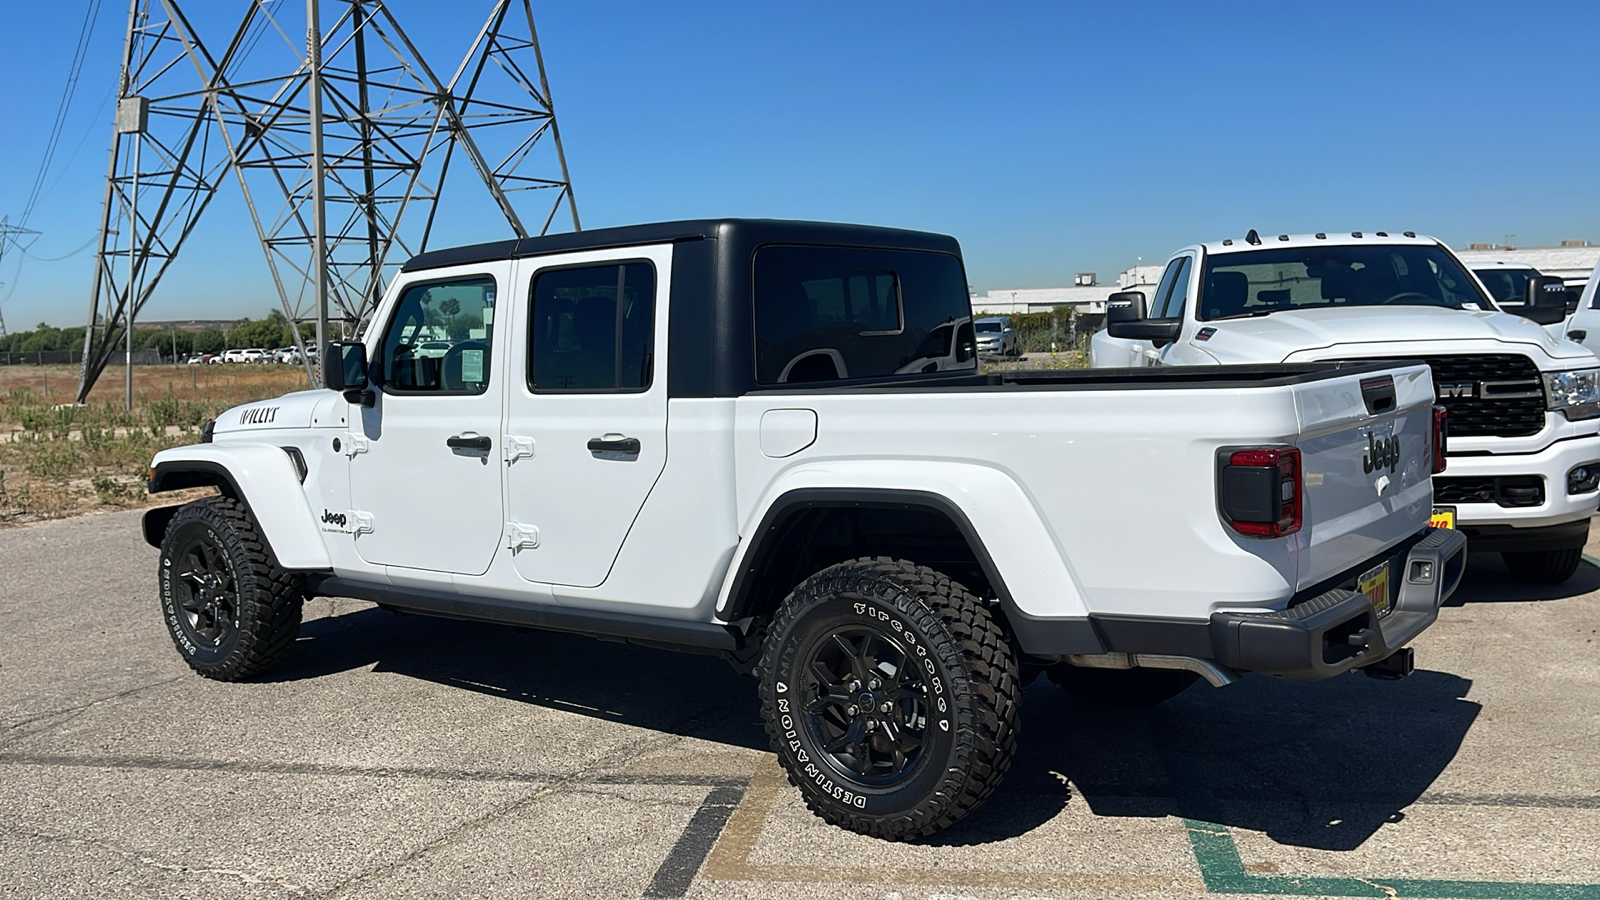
x: 626, y: 445
x: 469, y: 441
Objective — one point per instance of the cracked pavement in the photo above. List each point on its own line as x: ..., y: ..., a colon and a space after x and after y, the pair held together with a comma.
x: 410, y: 757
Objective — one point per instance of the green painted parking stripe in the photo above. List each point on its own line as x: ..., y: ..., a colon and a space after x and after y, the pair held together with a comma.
x: 1224, y: 873
x: 1591, y: 560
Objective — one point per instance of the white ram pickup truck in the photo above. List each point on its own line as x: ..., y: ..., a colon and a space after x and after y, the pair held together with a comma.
x: 1524, y: 432
x: 772, y: 441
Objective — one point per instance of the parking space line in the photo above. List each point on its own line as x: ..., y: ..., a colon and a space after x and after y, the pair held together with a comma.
x: 730, y: 859
x: 1224, y: 873
x: 677, y: 872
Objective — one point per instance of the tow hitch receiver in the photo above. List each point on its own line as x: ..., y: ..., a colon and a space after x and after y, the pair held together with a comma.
x: 1393, y: 667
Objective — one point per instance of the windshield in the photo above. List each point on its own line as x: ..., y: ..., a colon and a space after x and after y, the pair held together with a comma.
x: 1261, y: 282
x: 1506, y: 285
x: 987, y: 327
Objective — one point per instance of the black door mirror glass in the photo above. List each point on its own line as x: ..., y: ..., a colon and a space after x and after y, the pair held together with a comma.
x: 346, y: 366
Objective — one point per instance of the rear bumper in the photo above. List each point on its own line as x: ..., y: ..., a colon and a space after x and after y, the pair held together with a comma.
x: 1337, y: 630
x: 1326, y: 630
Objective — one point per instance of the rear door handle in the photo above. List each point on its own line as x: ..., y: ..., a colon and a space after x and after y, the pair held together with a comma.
x: 614, y: 445
x: 469, y: 441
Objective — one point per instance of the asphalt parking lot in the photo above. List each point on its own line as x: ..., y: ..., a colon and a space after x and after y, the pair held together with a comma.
x: 410, y: 757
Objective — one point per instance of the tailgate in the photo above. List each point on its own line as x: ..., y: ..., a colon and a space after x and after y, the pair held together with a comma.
x: 1366, y: 450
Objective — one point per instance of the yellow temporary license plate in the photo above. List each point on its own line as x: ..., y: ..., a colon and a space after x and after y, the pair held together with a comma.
x: 1375, y: 584
x: 1443, y: 517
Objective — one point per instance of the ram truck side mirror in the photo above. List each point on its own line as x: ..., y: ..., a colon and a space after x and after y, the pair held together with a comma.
x: 345, y: 371
x: 1546, y: 300
x: 1126, y: 318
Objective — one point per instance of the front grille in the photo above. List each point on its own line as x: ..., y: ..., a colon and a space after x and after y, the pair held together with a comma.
x: 1506, y: 394
x: 1511, y: 490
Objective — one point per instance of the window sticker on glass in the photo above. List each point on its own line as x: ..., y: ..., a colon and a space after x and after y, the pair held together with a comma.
x: 472, y: 366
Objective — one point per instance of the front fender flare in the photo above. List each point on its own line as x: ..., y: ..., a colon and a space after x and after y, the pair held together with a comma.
x: 263, y: 478
x: 1027, y: 567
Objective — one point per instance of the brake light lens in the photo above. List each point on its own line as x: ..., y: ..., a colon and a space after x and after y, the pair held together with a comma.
x: 1262, y: 491
x: 1441, y: 433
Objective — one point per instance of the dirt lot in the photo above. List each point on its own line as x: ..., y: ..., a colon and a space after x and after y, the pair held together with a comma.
x: 57, y: 459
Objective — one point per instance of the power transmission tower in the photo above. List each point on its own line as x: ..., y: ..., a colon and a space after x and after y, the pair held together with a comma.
x: 8, y: 237
x: 388, y: 126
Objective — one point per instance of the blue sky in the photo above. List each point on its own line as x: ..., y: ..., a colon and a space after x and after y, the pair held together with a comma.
x: 1051, y: 138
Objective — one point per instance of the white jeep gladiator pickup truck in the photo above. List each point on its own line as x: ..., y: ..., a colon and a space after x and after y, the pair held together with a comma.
x: 720, y: 436
x: 1524, y: 434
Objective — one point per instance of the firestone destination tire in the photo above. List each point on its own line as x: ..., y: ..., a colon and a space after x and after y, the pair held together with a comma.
x: 890, y: 696
x: 230, y: 610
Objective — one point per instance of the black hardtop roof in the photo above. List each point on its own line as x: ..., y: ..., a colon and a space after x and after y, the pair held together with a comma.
x: 750, y: 232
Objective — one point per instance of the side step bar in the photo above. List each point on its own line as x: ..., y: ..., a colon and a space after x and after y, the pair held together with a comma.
x: 694, y: 637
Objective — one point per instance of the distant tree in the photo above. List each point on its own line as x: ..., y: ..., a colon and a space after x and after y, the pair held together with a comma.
x: 208, y: 340
x: 259, y: 333
x: 450, y: 307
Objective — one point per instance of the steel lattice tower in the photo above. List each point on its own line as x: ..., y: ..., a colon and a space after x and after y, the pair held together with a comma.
x: 262, y: 103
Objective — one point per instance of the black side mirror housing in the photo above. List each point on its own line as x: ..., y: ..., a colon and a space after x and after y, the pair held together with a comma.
x: 1126, y: 318
x: 345, y: 371
x: 1546, y: 300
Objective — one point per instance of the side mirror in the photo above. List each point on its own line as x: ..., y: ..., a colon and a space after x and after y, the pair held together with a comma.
x: 1546, y: 300
x: 1126, y: 318
x: 346, y: 371
x: 1125, y: 306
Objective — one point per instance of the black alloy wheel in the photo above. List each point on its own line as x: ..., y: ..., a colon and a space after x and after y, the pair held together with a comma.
x: 868, y: 704
x: 205, y: 590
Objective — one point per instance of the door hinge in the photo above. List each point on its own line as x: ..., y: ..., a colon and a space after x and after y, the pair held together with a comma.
x: 521, y: 537
x: 517, y: 447
x: 361, y: 522
x: 354, y: 444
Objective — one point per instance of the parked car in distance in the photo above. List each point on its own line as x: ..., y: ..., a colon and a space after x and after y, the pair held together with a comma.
x: 772, y: 441
x: 232, y: 356
x: 196, y: 359
x: 995, y: 337
x: 253, y: 355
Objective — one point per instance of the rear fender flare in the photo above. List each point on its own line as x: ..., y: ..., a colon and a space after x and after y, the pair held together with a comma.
x: 1017, y: 550
x: 260, y: 476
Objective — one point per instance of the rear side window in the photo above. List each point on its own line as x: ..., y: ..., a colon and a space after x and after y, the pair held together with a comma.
x: 593, y: 328
x: 831, y: 313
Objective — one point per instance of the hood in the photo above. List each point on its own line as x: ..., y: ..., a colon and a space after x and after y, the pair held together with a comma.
x: 1275, y: 337
x: 301, y: 409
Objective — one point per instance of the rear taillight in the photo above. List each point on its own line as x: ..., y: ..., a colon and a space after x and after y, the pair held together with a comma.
x: 1440, y: 433
x: 1261, y: 491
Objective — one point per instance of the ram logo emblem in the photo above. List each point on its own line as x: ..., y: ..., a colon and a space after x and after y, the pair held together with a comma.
x: 1451, y: 391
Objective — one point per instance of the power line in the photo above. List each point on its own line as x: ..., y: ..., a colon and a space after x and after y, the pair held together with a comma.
x: 63, y: 107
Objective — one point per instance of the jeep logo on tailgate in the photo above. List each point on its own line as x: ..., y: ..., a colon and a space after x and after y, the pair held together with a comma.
x: 1382, y: 453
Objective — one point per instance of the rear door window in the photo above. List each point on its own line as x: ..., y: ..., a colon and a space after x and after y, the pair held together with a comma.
x: 593, y: 328
x: 834, y: 313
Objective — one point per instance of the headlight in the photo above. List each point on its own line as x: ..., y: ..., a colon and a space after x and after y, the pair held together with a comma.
x: 1576, y: 393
